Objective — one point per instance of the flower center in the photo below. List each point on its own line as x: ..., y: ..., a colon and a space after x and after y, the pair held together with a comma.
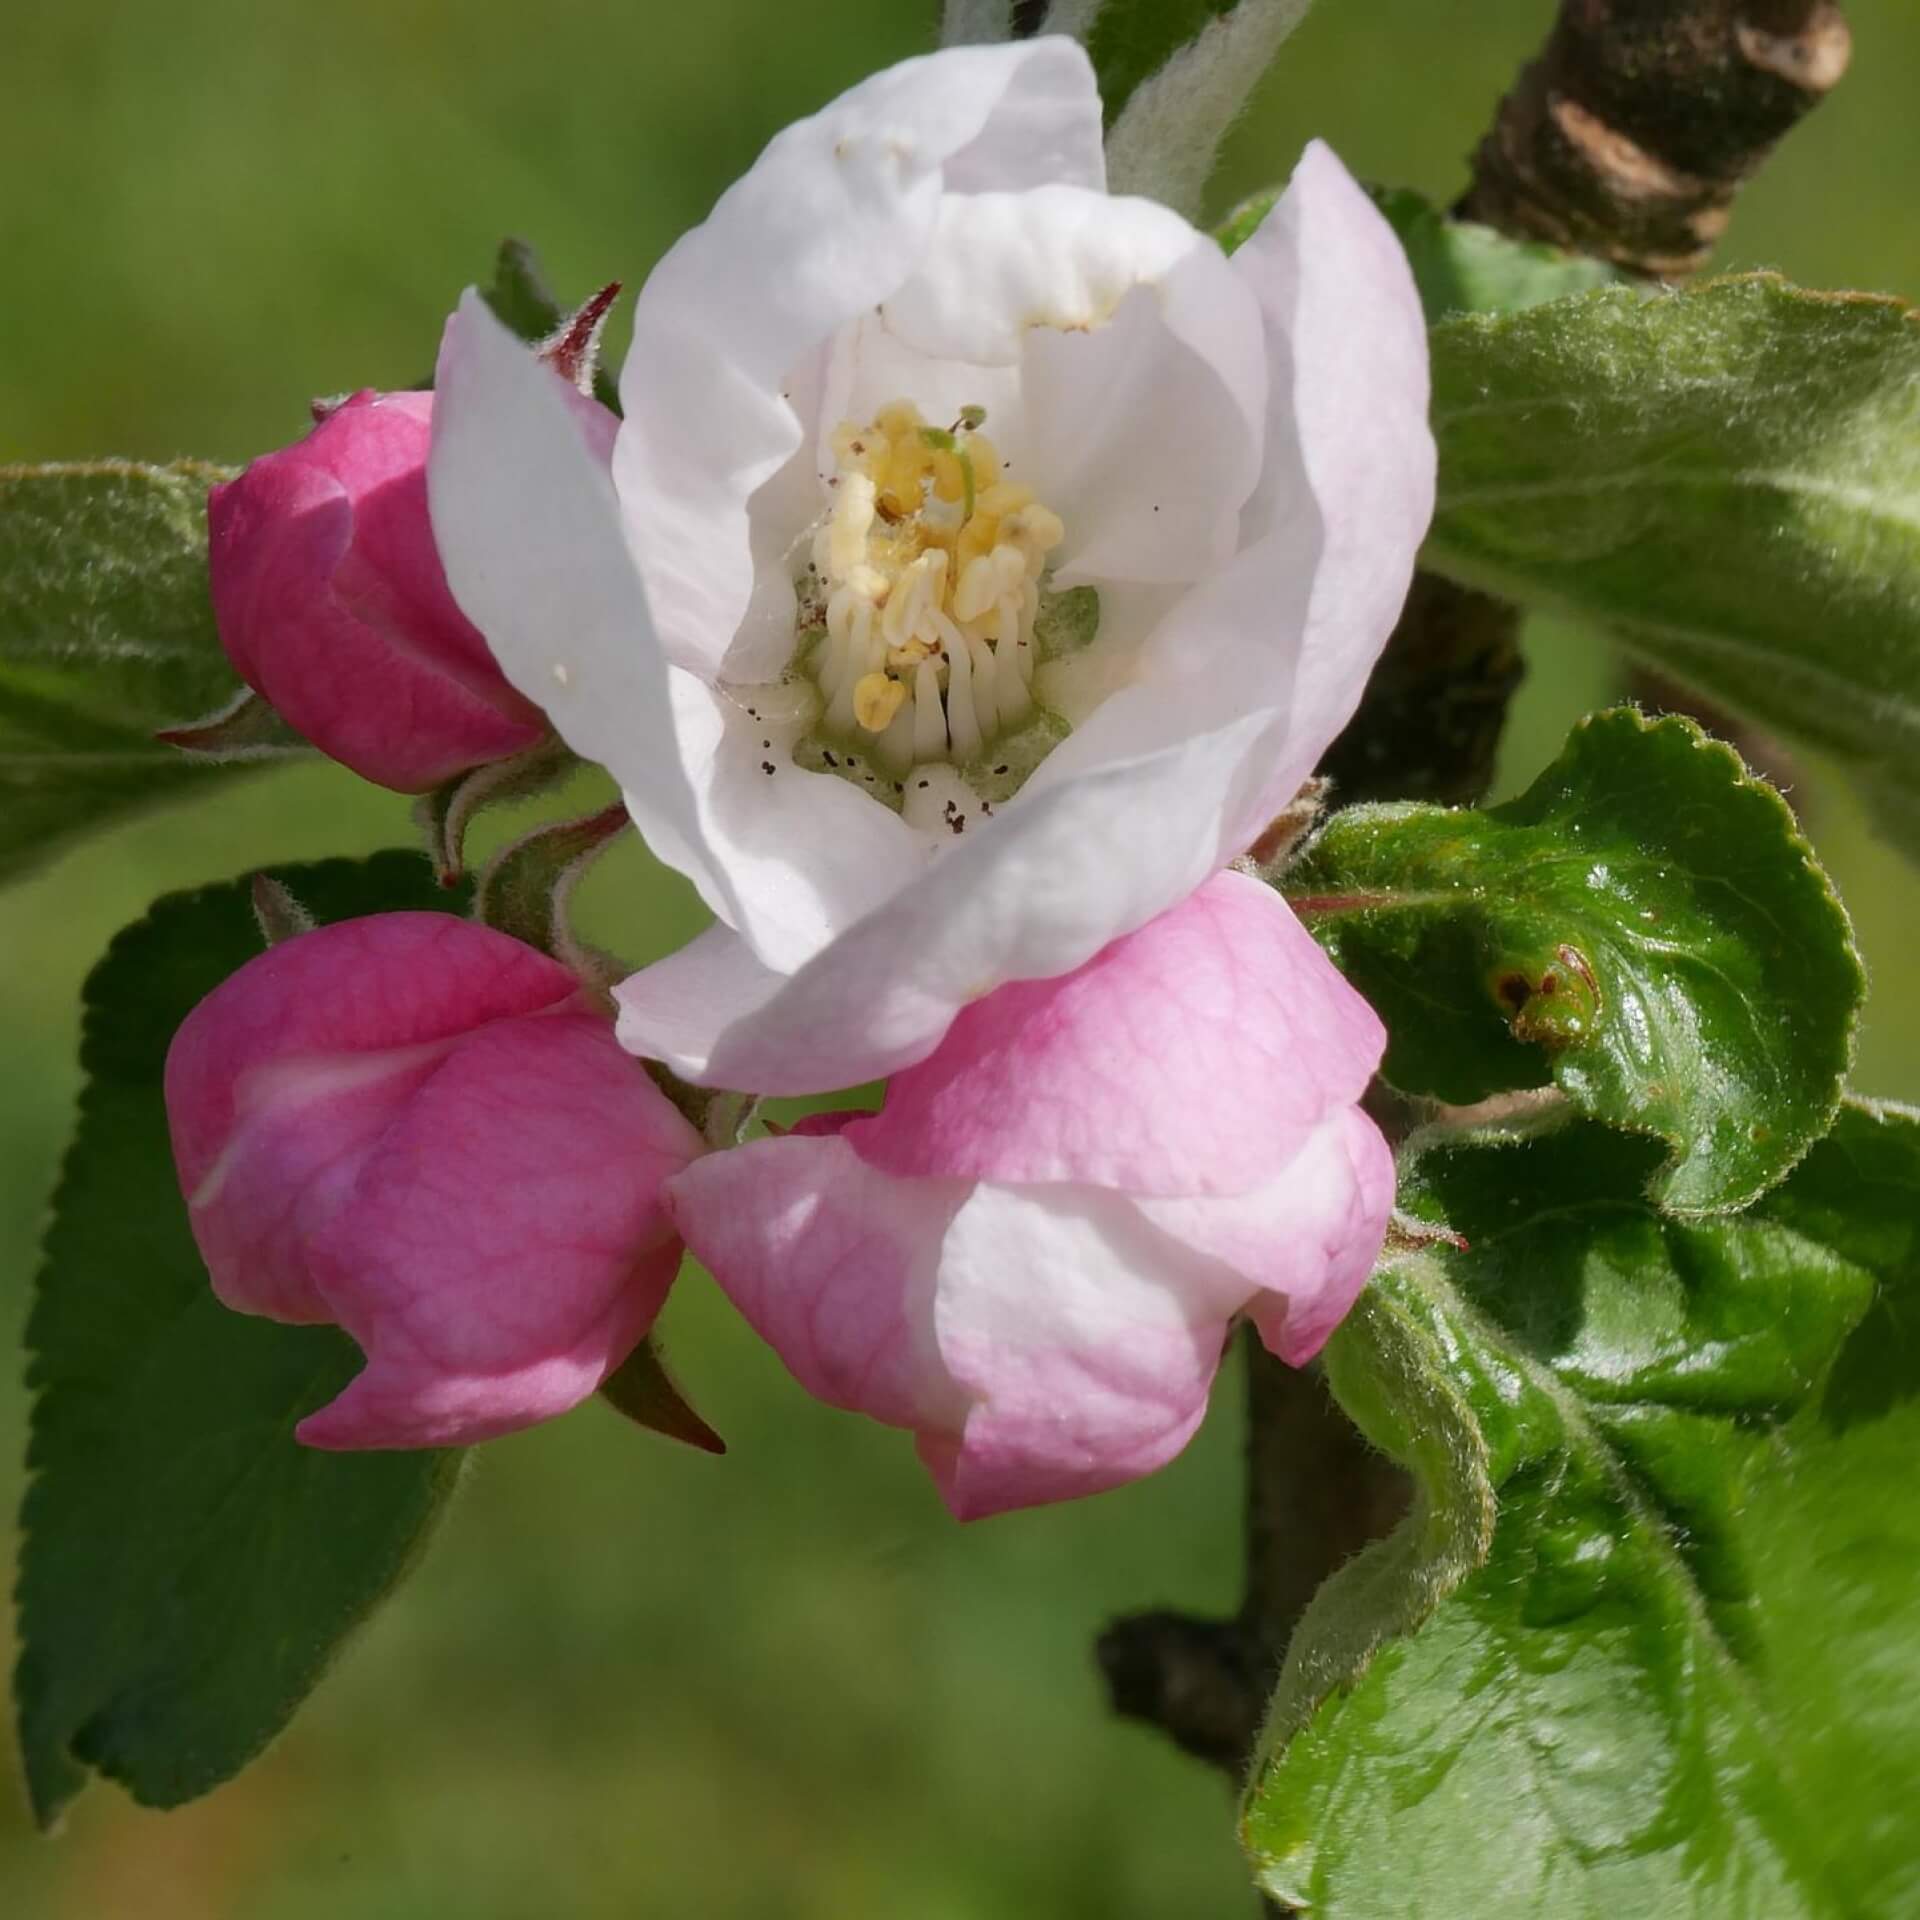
x: 924, y: 589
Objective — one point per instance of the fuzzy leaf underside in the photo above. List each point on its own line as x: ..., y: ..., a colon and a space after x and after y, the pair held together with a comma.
x: 106, y: 636
x: 1728, y: 477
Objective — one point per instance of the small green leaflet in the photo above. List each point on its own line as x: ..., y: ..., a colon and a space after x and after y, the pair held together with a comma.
x: 106, y: 636
x: 1646, y: 1645
x: 1728, y: 477
x: 523, y: 303
x: 188, y: 1571
x: 1643, y: 927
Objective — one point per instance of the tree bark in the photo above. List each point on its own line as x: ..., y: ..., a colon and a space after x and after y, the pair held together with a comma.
x: 1631, y: 133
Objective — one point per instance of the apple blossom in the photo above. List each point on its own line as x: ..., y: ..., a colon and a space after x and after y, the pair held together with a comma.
x: 332, y: 605
x: 418, y: 1129
x: 984, y: 560
x: 1031, y: 1256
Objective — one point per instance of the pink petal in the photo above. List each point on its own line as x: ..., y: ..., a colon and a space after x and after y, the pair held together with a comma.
x: 1306, y: 1240
x: 332, y: 603
x: 409, y: 1126
x: 1195, y: 1056
x: 1041, y: 1344
x: 505, y: 1248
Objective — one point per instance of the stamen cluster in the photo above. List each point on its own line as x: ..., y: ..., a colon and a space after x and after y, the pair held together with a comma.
x: 926, y: 576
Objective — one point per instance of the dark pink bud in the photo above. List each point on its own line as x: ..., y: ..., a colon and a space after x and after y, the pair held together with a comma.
x: 419, y: 1130
x: 332, y: 602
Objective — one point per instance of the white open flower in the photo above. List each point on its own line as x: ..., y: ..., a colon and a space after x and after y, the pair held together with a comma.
x: 985, y: 559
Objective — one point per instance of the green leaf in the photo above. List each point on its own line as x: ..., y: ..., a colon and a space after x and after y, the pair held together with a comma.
x: 1462, y: 267
x: 1728, y: 476
x: 189, y: 1572
x: 106, y: 636
x: 1676, y: 1675
x: 519, y: 295
x: 1644, y: 927
x: 1174, y: 75
x: 1131, y: 40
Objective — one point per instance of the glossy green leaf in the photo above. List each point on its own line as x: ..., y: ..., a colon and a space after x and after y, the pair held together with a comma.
x: 106, y: 636
x: 1675, y: 1675
x: 1729, y: 477
x: 1643, y: 927
x: 188, y: 1571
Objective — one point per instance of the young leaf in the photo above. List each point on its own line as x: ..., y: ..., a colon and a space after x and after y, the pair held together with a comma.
x: 1676, y: 1677
x: 1643, y: 927
x: 188, y: 1571
x: 1174, y: 75
x: 1728, y: 476
x: 524, y: 304
x: 106, y: 635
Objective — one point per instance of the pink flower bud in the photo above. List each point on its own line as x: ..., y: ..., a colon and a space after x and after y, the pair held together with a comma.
x: 332, y: 603
x: 417, y: 1129
x: 1031, y: 1256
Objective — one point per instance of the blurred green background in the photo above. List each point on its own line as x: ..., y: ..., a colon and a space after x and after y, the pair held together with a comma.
x: 631, y: 1680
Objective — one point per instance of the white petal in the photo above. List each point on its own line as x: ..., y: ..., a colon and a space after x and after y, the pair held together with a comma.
x: 837, y: 211
x: 1085, y: 1340
x: 1290, y: 629
x: 1344, y: 322
x: 530, y: 536
x: 529, y: 531
x: 804, y: 854
x: 1042, y: 886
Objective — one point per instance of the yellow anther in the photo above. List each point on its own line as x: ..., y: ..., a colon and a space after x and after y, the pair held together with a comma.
x: 900, y: 659
x: 949, y: 477
x: 858, y: 449
x: 876, y: 699
x: 899, y: 420
x: 1036, y: 526
x: 1008, y: 497
x: 908, y: 464
x: 976, y: 589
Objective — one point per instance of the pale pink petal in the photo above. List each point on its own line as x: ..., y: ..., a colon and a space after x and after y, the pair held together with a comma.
x: 1040, y: 1343
x: 1349, y: 347
x: 833, y: 1265
x: 1306, y: 1240
x: 1084, y: 1340
x: 1194, y: 1056
x: 1058, y: 874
